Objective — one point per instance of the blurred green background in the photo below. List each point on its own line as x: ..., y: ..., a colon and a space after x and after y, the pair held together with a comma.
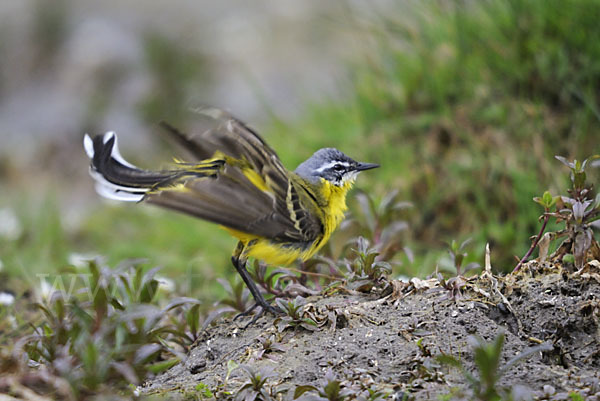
x: 464, y: 104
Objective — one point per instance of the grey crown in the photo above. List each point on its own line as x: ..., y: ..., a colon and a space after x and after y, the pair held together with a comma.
x: 330, y: 164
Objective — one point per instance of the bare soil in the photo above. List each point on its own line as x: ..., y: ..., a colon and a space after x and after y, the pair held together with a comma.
x: 389, y: 341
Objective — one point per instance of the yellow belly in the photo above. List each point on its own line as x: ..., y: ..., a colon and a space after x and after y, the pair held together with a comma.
x: 274, y: 253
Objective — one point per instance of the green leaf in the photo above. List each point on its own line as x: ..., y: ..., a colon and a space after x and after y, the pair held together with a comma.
x: 81, y: 315
x: 471, y: 266
x: 116, y: 304
x: 575, y: 396
x: 179, y: 301
x: 126, y: 286
x: 487, y: 359
x: 458, y: 259
x: 564, y: 161
x: 192, y: 317
x: 90, y: 356
x: 283, y: 304
x: 465, y: 243
x: 162, y: 366
x: 589, y: 159
x: 126, y: 370
x: 231, y: 366
x: 454, y: 246
x: 370, y: 258
x: 100, y: 301
x: 120, y: 337
x: 93, y: 267
x: 309, y: 324
x: 525, y: 354
x: 449, y: 360
x: 387, y: 201
x: 547, y: 199
x: 303, y: 389
x: 368, y: 210
x: 362, y: 245
x: 204, y: 390
x: 332, y: 390
x: 579, y: 179
x: 149, y: 285
x: 145, y: 353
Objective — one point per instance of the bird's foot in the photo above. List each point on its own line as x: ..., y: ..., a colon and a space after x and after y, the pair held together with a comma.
x: 263, y: 309
x: 246, y: 312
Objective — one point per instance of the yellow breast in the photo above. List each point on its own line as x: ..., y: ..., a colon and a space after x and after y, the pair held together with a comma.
x: 333, y: 208
x: 334, y: 211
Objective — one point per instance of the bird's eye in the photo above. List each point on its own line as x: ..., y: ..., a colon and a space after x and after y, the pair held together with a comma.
x: 338, y: 167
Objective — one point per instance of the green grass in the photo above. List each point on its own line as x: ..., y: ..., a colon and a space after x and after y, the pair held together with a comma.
x: 190, y: 252
x: 465, y: 107
x: 185, y: 247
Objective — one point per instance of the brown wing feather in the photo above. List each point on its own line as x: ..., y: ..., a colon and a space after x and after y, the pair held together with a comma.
x: 229, y: 197
x: 217, y: 130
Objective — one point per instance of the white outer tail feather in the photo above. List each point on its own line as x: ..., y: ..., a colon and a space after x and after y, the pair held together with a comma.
x: 104, y: 187
x: 88, y: 145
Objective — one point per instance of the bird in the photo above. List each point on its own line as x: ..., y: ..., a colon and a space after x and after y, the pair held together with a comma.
x: 235, y: 179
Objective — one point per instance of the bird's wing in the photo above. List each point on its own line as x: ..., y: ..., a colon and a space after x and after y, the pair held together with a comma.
x: 253, y: 192
x: 216, y: 130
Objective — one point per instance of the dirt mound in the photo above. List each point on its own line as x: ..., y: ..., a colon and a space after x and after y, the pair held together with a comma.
x: 390, y: 343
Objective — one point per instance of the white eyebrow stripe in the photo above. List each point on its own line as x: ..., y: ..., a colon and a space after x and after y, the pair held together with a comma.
x: 331, y: 164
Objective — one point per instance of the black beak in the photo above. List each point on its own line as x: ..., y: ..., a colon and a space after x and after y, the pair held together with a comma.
x: 366, y: 166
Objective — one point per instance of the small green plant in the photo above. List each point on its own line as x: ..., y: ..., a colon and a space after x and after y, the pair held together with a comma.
x: 579, y: 210
x: 255, y: 387
x: 546, y: 201
x: 236, y: 300
x: 382, y: 222
x: 279, y: 281
x: 186, y: 324
x: 455, y: 284
x: 110, y: 332
x: 219, y: 391
x: 331, y: 390
x: 203, y: 391
x: 371, y: 394
x: 487, y: 356
x: 294, y: 311
x: 366, y: 272
x: 269, y: 345
x: 238, y: 295
x: 458, y: 255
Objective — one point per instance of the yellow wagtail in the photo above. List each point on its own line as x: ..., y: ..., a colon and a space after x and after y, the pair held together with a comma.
x: 236, y: 180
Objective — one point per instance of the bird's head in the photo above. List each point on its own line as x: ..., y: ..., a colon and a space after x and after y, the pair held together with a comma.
x: 333, y: 166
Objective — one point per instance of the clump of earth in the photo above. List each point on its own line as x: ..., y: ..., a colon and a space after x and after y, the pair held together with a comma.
x: 389, y: 341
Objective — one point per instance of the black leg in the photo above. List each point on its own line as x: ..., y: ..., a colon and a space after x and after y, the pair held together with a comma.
x: 240, y: 265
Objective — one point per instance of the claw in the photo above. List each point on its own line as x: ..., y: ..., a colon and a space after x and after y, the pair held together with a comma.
x: 263, y: 308
x: 246, y: 312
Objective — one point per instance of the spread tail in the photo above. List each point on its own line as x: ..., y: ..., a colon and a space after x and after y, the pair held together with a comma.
x: 115, y: 177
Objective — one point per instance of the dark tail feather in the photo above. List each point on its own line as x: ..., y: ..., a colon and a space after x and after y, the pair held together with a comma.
x: 115, y: 177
